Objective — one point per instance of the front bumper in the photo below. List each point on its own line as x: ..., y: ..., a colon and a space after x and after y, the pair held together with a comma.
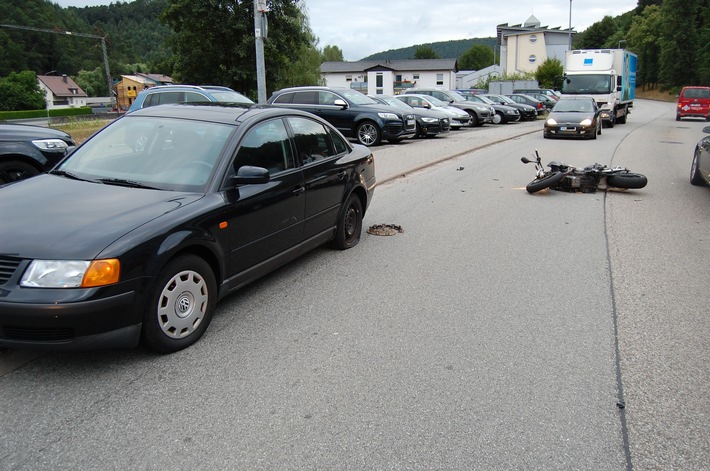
x: 71, y: 319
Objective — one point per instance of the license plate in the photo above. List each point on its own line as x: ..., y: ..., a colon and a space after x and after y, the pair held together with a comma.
x: 410, y: 122
x: 695, y: 105
x: 565, y: 128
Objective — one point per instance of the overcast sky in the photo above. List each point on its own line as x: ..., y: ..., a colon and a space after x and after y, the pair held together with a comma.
x: 364, y: 27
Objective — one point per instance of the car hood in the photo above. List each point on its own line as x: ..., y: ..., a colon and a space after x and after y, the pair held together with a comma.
x: 54, y: 217
x: 570, y: 117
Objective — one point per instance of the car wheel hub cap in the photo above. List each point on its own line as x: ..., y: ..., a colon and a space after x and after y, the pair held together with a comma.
x: 182, y: 304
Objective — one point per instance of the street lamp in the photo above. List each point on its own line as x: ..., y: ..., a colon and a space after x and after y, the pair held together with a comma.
x: 569, y: 31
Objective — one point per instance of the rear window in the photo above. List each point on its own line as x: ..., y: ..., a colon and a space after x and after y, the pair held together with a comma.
x: 696, y: 93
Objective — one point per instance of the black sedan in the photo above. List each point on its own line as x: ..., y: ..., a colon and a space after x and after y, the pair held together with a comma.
x: 700, y: 169
x: 26, y: 151
x: 118, y: 244
x: 429, y: 122
x: 527, y: 112
x: 503, y: 113
x: 573, y: 117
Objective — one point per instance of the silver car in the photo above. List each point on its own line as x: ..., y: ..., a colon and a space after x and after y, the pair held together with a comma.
x: 459, y: 118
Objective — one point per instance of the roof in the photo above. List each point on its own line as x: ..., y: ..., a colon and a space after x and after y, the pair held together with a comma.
x: 61, y: 85
x: 504, y: 30
x: 387, y: 64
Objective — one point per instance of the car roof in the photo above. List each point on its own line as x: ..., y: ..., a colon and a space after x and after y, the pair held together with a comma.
x: 216, y: 112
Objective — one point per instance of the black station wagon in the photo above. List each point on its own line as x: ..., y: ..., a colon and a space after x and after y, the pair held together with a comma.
x: 119, y: 243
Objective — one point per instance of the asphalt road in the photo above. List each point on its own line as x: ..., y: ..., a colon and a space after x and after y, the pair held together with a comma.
x: 500, y: 330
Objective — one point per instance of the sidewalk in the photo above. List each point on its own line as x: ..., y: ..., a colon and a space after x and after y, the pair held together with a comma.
x: 393, y: 161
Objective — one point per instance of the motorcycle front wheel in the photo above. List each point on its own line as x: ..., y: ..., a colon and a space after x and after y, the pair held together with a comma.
x: 627, y: 180
x: 548, y: 181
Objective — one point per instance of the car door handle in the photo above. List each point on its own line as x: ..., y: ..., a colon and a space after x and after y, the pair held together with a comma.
x: 342, y: 175
x: 298, y: 190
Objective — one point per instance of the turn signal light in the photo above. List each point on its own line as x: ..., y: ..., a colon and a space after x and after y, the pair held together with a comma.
x: 101, y: 273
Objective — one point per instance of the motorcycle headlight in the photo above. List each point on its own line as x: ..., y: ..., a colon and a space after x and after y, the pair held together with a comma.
x: 50, y: 145
x: 71, y: 273
x: 387, y: 115
x: 586, y: 122
x: 551, y: 122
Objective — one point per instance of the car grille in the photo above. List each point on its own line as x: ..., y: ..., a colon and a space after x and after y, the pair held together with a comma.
x: 410, y: 122
x: 8, y: 265
x: 49, y: 335
x: 394, y: 128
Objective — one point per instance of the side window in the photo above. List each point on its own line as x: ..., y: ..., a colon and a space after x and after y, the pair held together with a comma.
x: 150, y: 100
x: 168, y: 97
x: 440, y: 96
x: 195, y: 97
x: 284, y: 98
x: 338, y: 143
x: 313, y: 142
x: 306, y: 98
x: 327, y: 98
x: 266, y: 145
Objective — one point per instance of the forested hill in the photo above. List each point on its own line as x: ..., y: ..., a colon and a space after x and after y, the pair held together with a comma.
x: 133, y: 31
x: 444, y: 49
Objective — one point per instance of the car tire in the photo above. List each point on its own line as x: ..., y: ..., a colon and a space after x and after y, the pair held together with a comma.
x: 475, y: 122
x: 695, y: 177
x: 547, y: 181
x: 498, y: 118
x: 627, y: 180
x: 14, y: 170
x: 347, y: 234
x: 677, y: 117
x: 180, y: 305
x: 368, y: 134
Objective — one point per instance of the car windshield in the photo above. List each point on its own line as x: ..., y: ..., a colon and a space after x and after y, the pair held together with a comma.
x: 456, y: 96
x: 151, y: 152
x: 230, y: 96
x: 567, y: 106
x: 481, y: 99
x: 357, y: 98
x: 392, y: 101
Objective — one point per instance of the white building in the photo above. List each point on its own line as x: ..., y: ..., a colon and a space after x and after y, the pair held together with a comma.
x: 61, y: 92
x: 390, y: 77
x: 524, y: 48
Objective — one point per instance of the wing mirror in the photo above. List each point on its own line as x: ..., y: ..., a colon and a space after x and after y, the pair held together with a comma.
x: 248, y: 175
x: 341, y: 103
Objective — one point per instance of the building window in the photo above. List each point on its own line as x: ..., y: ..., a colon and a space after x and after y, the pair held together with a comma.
x: 533, y: 38
x: 439, y: 79
x: 379, y: 81
x: 348, y: 78
x: 532, y: 58
x: 415, y: 77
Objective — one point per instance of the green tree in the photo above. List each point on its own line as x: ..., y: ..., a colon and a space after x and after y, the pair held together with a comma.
x: 597, y: 35
x: 332, y: 54
x: 703, y: 57
x: 476, y: 58
x: 679, y: 41
x: 549, y: 73
x: 93, y: 82
x: 425, y: 52
x: 644, y: 39
x: 20, y: 91
x: 214, y: 42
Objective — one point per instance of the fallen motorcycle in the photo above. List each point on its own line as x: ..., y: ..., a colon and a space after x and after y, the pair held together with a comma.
x: 563, y: 177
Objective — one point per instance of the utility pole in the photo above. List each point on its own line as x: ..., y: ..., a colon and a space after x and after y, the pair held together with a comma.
x: 109, y: 81
x: 260, y: 10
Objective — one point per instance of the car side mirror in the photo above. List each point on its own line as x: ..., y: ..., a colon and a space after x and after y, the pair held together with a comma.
x: 249, y: 175
x: 341, y: 103
x: 426, y: 105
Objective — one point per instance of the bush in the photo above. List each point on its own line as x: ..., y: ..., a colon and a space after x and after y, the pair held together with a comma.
x: 27, y: 114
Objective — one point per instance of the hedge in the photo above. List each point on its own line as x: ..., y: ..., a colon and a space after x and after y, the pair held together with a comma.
x: 4, y: 115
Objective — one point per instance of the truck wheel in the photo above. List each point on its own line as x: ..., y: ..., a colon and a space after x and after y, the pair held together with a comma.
x: 622, y: 119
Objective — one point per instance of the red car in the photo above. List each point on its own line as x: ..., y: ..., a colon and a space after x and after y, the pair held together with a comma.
x: 693, y: 102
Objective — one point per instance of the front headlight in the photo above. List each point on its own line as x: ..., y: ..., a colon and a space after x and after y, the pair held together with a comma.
x: 71, y: 273
x: 387, y: 115
x: 551, y: 122
x: 586, y: 122
x: 50, y: 145
x: 430, y: 120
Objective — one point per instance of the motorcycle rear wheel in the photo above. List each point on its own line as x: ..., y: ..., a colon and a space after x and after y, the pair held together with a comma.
x: 627, y: 180
x: 547, y: 181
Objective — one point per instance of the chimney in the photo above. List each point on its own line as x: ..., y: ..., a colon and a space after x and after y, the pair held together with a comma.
x: 64, y: 77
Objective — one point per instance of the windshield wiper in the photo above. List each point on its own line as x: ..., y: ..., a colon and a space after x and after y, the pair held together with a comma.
x: 127, y: 183
x: 64, y: 173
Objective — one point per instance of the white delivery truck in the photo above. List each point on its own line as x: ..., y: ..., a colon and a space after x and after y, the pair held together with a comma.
x: 607, y: 75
